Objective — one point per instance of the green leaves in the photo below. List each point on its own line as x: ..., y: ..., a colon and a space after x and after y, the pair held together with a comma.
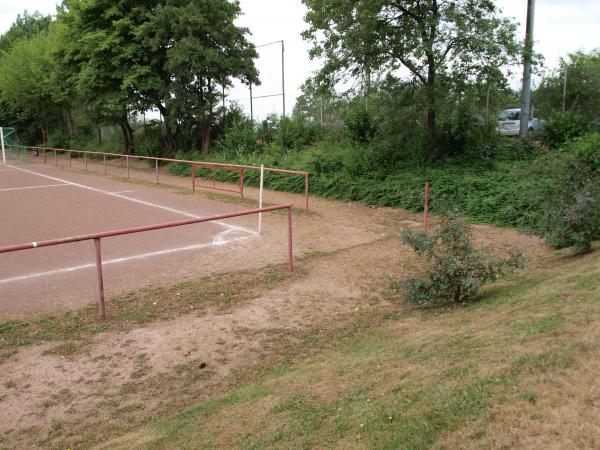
x: 457, y: 270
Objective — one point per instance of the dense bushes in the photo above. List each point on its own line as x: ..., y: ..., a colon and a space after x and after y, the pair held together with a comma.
x: 572, y: 209
x: 457, y: 270
x: 563, y: 127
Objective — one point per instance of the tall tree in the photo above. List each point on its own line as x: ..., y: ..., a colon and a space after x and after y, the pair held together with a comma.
x: 204, y: 51
x: 431, y: 39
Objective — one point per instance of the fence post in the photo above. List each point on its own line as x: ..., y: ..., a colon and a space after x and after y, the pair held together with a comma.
x: 242, y: 182
x: 260, y: 196
x: 426, y: 209
x: 306, y: 191
x: 290, y: 251
x: 45, y: 157
x: 193, y: 177
x: 156, y: 169
x: 104, y: 164
x: 101, y: 312
x: 127, y: 158
x: 55, y: 158
x: 69, y: 160
x: 85, y: 160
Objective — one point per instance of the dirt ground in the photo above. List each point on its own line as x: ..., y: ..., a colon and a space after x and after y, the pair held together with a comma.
x: 84, y: 392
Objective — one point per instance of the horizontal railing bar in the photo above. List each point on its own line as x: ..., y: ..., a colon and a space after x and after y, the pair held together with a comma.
x: 124, y: 231
x: 153, y: 158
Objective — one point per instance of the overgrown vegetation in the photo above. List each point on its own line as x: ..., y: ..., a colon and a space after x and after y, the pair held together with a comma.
x: 457, y: 270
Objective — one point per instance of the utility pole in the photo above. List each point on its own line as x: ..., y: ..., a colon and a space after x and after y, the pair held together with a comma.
x: 564, y: 102
x: 527, y: 59
x: 251, y: 105
x: 283, y: 75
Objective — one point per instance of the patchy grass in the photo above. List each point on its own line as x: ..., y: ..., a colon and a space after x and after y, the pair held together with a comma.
x: 409, y: 378
x: 137, y: 309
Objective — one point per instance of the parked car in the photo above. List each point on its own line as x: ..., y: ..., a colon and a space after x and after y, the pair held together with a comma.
x: 509, y: 122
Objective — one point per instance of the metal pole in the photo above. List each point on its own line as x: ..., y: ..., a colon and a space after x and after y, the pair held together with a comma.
x: 527, y: 58
x: 242, y: 183
x: 564, y: 103
x: 426, y: 209
x: 251, y: 106
x: 104, y: 165
x: 127, y: 158
x: 101, y: 313
x: 260, y: 196
x: 2, y: 145
x: 306, y: 191
x: 321, y: 111
x: 283, y: 75
x: 290, y: 251
x: 84, y: 159
x: 193, y: 177
x: 156, y: 169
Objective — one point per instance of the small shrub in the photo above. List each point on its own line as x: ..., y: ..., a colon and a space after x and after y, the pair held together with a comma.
x: 573, y: 200
x: 457, y: 269
x: 563, y: 127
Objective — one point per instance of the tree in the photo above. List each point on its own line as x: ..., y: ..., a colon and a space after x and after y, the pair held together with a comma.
x: 432, y: 39
x: 583, y: 86
x: 203, y: 51
x: 25, y: 27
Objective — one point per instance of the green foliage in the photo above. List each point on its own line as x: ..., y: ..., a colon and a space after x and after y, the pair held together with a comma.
x: 583, y: 85
x: 360, y: 123
x: 296, y: 133
x: 563, y: 127
x: 457, y: 269
x: 572, y: 216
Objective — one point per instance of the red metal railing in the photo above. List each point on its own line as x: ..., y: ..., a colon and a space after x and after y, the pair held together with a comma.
x: 240, y: 171
x: 198, y: 164
x: 96, y: 237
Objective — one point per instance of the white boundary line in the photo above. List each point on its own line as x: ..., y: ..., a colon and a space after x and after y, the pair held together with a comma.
x: 32, y: 187
x: 217, y: 242
x: 135, y: 200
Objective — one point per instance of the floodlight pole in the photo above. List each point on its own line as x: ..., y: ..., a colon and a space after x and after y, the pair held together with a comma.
x: 564, y: 102
x: 251, y: 105
x: 2, y: 145
x: 283, y: 75
x: 527, y: 58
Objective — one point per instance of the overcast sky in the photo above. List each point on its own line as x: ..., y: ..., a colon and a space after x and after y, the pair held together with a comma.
x: 561, y: 26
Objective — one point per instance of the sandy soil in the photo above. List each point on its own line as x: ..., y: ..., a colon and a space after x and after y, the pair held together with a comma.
x: 46, y: 395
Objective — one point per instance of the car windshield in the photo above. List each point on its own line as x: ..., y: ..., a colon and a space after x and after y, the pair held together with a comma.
x: 509, y: 115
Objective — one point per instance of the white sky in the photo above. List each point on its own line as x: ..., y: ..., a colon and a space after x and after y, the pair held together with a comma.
x: 561, y: 26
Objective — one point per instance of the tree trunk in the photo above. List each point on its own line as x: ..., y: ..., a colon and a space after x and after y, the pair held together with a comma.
x: 99, y: 131
x: 127, y: 133
x: 205, y: 136
x: 431, y: 108
x: 169, y: 139
x: 72, y: 126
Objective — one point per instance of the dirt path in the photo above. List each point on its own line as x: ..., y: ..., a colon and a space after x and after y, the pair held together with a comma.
x: 82, y: 393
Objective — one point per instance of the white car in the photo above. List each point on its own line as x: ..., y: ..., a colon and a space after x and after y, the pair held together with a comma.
x: 509, y: 122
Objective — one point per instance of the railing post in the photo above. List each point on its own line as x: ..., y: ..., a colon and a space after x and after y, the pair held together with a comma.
x: 85, y: 160
x: 101, y: 312
x: 127, y: 158
x: 290, y: 250
x: 104, y: 164
x: 193, y: 177
x: 426, y: 209
x: 306, y: 191
x: 156, y: 169
x: 69, y: 160
x: 45, y: 157
x: 242, y: 182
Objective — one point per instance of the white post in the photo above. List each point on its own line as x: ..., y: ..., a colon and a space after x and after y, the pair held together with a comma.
x: 2, y: 145
x: 260, y: 196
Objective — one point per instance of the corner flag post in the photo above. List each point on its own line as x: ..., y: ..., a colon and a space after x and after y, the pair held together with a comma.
x: 2, y: 145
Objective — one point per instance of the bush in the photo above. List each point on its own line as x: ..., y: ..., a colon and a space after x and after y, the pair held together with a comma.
x: 457, y: 269
x: 573, y: 201
x: 563, y: 127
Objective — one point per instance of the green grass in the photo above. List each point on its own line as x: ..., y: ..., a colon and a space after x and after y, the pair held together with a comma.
x: 412, y: 379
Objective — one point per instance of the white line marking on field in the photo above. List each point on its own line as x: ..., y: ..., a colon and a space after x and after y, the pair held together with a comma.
x: 217, y: 242
x: 122, y: 192
x: 135, y: 200
x: 32, y: 187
